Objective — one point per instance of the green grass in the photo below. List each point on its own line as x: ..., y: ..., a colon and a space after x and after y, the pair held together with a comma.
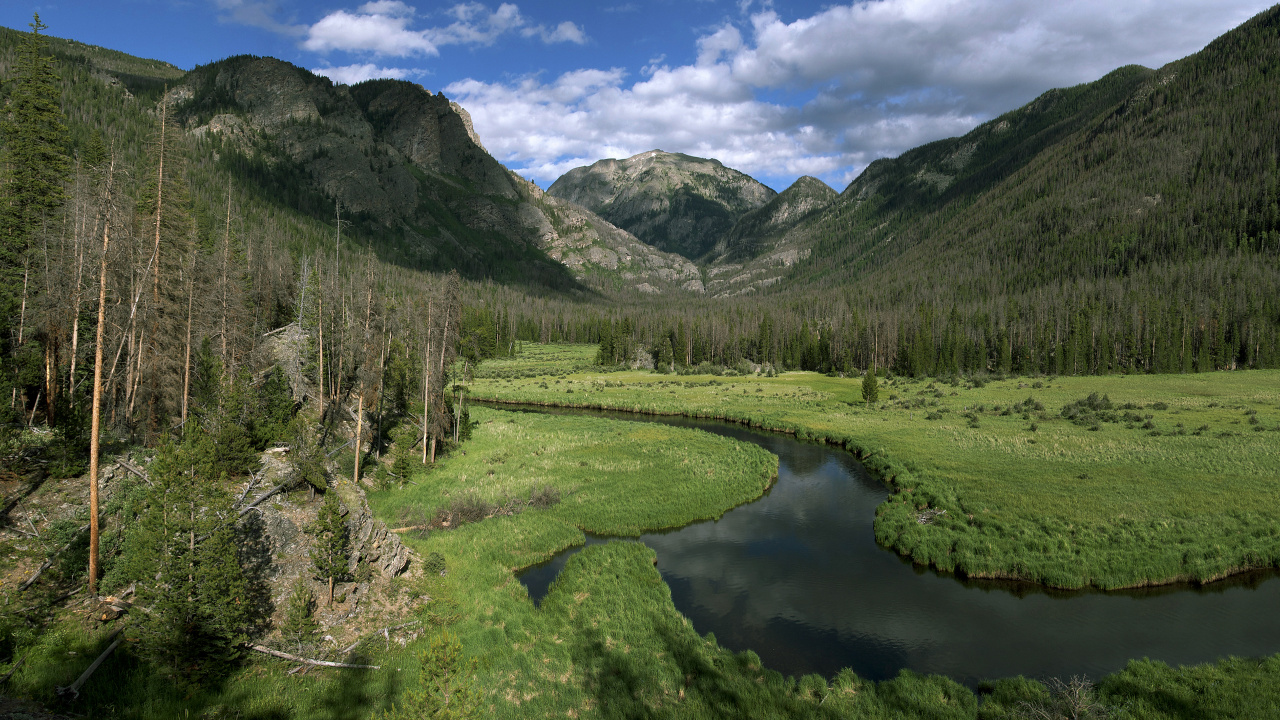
x: 607, y: 640
x: 535, y: 360
x: 1108, y: 503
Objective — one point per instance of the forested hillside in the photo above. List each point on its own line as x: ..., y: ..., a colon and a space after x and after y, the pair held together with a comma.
x: 1129, y: 224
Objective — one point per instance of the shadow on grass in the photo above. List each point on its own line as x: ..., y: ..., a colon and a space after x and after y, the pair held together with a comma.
x: 350, y: 695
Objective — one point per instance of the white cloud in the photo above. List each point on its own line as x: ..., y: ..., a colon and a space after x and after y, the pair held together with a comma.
x: 352, y: 74
x: 378, y: 33
x: 387, y: 7
x: 564, y: 32
x: 385, y: 28
x: 829, y: 93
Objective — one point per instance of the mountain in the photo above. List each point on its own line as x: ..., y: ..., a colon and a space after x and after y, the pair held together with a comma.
x: 760, y: 249
x: 674, y: 202
x: 1140, y: 170
x: 411, y: 176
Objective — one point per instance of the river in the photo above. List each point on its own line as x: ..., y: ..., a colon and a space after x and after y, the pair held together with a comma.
x: 797, y: 577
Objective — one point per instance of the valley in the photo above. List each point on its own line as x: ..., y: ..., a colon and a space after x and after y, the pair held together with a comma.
x: 298, y: 381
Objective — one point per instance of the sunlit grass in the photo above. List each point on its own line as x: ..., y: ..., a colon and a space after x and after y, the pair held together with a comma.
x: 1180, y: 485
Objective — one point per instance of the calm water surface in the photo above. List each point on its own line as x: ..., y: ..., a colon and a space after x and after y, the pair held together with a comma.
x: 797, y: 577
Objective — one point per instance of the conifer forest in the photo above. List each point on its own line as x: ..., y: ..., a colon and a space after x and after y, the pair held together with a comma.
x: 259, y: 332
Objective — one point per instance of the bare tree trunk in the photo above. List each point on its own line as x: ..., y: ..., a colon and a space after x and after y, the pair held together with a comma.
x: 186, y: 369
x: 377, y: 437
x: 137, y: 373
x: 75, y: 310
x: 164, y: 116
x: 22, y: 314
x: 355, y: 474
x: 426, y: 386
x: 320, y: 329
x: 96, y: 419
x: 226, y: 257
x: 444, y: 343
x: 50, y: 375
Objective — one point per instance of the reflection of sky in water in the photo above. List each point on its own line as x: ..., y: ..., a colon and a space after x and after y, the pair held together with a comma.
x: 797, y: 577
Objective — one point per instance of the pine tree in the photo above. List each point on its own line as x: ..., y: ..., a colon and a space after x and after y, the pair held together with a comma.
x: 331, y: 555
x: 182, y: 553
x: 870, y: 388
x: 299, y: 619
x: 446, y: 686
x: 35, y: 140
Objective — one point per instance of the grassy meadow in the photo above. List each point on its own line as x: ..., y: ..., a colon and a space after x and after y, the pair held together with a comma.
x: 607, y: 640
x: 1156, y: 479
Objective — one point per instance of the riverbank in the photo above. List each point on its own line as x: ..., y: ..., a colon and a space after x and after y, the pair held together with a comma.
x: 1158, y: 479
x: 607, y: 640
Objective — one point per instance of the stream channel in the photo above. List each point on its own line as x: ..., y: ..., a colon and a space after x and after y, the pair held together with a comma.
x: 797, y: 577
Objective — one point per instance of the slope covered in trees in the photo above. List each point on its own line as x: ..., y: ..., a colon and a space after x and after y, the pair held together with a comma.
x: 1129, y: 224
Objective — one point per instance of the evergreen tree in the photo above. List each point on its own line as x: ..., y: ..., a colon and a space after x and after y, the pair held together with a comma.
x: 35, y: 141
x: 331, y: 555
x: 870, y: 388
x: 299, y: 620
x: 183, y: 555
x: 445, y: 688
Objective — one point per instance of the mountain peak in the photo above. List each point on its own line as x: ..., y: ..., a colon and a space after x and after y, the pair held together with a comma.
x: 675, y: 202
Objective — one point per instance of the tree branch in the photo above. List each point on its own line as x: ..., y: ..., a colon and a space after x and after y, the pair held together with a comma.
x: 308, y: 661
x: 49, y: 563
x: 74, y: 688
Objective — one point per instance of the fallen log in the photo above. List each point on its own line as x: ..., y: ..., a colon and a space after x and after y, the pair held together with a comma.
x: 49, y: 563
x: 13, y: 669
x: 336, y: 450
x: 128, y: 466
x: 309, y: 661
x: 407, y: 528
x: 74, y: 688
x: 253, y: 480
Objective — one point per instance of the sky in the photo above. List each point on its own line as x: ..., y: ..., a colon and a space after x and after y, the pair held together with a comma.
x: 774, y: 89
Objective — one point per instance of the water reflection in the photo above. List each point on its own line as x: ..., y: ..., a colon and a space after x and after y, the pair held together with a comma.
x: 797, y: 577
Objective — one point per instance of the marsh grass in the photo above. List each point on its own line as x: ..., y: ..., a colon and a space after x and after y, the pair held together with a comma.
x: 607, y: 640
x: 1085, y: 481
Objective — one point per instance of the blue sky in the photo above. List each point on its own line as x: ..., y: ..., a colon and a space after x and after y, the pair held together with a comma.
x: 775, y: 89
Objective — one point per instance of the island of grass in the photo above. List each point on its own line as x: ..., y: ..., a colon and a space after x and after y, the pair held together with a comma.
x: 1111, y: 481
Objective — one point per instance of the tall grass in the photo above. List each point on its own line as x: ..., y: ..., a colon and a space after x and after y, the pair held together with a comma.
x: 1171, y: 480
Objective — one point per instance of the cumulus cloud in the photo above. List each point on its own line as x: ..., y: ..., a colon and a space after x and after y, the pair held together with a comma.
x: 829, y: 93
x: 352, y: 74
x: 386, y: 28
x: 380, y: 33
